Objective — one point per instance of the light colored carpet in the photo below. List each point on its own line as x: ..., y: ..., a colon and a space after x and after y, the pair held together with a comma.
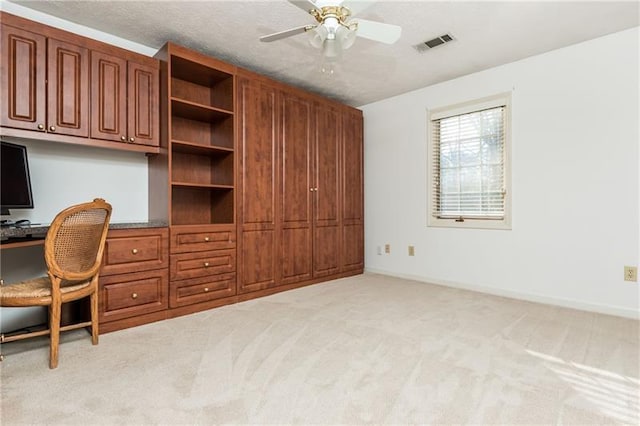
x: 367, y: 349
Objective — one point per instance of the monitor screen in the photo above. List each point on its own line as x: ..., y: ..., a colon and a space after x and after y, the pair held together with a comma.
x: 14, y: 180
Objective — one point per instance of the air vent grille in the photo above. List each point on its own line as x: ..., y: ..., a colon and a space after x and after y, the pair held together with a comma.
x: 434, y: 42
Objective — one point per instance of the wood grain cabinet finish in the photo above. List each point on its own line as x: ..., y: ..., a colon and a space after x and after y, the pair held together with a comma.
x: 203, y: 289
x: 72, y: 89
x: 133, y: 294
x: 45, y: 84
x: 188, y: 239
x: 124, y: 100
x: 258, y: 240
x: 202, y: 264
x: 352, y: 192
x: 134, y: 278
x: 22, y: 79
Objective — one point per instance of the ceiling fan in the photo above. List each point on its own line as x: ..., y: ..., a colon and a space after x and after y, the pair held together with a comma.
x: 335, y: 30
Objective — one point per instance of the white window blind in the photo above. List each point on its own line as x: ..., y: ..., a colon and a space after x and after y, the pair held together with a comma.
x: 468, y: 165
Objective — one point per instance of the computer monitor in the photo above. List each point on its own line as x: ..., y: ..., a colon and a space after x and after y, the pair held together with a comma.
x: 15, y: 181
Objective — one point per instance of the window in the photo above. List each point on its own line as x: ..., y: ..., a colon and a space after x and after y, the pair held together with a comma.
x: 469, y: 167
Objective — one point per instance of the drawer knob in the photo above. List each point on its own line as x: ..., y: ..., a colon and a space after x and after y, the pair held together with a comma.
x: 206, y: 239
x: 206, y: 264
x: 134, y: 251
x: 134, y: 296
x: 206, y: 289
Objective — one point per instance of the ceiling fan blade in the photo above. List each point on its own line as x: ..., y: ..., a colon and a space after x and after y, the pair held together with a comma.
x: 305, y: 5
x: 378, y: 31
x: 286, y: 33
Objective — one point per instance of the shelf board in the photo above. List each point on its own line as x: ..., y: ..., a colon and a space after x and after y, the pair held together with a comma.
x: 195, y: 148
x: 196, y: 111
x: 202, y: 185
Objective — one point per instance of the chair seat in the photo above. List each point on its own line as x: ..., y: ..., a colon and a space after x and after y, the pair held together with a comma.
x: 37, y: 288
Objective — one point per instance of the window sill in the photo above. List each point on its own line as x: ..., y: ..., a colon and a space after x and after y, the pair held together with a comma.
x: 504, y: 225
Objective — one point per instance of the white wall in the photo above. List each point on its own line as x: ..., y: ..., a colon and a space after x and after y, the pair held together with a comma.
x: 575, y: 181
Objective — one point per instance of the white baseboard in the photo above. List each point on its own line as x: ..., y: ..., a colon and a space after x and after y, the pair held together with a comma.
x: 566, y: 303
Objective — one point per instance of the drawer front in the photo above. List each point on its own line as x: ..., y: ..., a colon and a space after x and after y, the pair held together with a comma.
x: 187, y: 241
x: 128, y: 295
x: 135, y: 250
x: 202, y: 264
x: 187, y: 292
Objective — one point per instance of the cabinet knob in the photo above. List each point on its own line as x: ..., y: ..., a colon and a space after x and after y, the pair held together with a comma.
x: 134, y: 295
x: 132, y: 139
x: 206, y: 239
x: 134, y: 251
x: 40, y: 126
x: 1, y: 281
x: 311, y: 189
x: 123, y: 138
x: 206, y: 289
x: 52, y: 128
x: 206, y: 264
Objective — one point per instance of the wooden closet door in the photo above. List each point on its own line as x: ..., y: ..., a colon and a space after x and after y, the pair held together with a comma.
x: 23, y: 79
x: 143, y: 127
x: 296, y: 190
x: 68, y: 89
x: 108, y: 97
x: 352, y: 192
x: 326, y: 229
x: 257, y: 181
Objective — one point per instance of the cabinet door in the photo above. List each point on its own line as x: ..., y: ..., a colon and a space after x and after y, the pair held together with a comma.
x: 352, y: 192
x: 296, y: 190
x: 326, y: 229
x: 108, y: 97
x: 257, y: 178
x: 68, y: 89
x: 143, y: 124
x: 22, y: 79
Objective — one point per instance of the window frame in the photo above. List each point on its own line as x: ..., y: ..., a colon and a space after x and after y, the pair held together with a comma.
x: 501, y: 99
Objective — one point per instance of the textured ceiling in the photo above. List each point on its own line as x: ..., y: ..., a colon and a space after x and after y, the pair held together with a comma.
x: 486, y: 34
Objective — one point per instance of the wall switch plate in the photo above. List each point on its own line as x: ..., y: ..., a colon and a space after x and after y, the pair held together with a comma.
x: 379, y: 250
x: 412, y: 251
x: 631, y: 273
x: 387, y: 248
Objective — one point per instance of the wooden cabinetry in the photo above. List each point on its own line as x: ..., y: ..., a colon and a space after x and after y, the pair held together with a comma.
x: 124, y: 101
x: 134, y: 280
x: 62, y: 87
x: 299, y: 191
x: 44, y: 82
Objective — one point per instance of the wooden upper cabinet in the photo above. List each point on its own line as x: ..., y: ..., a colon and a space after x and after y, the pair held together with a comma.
x: 124, y: 100
x: 142, y: 106
x: 22, y: 79
x: 67, y: 89
x: 108, y: 97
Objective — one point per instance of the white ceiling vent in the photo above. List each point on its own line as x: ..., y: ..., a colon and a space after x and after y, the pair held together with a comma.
x: 434, y: 42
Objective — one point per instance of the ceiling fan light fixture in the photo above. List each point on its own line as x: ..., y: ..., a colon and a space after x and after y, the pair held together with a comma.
x: 331, y: 49
x: 346, y: 37
x: 317, y: 36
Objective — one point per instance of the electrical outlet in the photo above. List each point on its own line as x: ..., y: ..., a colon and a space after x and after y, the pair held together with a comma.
x: 412, y: 251
x: 387, y: 248
x: 631, y: 273
x: 379, y: 250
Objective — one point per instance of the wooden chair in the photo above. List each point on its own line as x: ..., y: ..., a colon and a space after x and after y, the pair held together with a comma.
x: 73, y: 253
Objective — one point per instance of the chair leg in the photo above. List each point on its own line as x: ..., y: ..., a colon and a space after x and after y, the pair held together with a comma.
x: 94, y: 317
x: 54, y: 330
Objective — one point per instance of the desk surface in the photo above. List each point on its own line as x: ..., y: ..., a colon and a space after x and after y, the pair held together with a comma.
x: 25, y: 236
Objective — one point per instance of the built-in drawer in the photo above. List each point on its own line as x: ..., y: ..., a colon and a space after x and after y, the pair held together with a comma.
x: 202, y: 264
x: 132, y: 250
x: 129, y: 295
x: 196, y: 290
x: 200, y: 238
